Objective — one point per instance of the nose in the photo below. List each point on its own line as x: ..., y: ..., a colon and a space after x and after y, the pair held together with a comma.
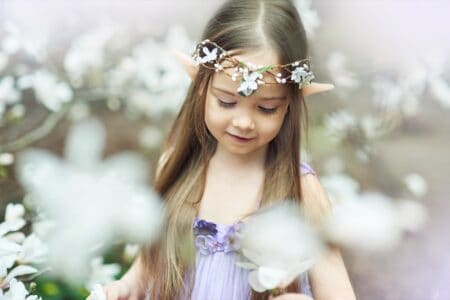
x: 243, y: 122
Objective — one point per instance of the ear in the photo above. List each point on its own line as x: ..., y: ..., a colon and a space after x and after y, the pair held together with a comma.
x: 187, y: 63
x: 316, y: 87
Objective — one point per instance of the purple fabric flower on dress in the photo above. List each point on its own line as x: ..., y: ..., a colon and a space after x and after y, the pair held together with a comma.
x: 209, y: 239
x: 205, y: 228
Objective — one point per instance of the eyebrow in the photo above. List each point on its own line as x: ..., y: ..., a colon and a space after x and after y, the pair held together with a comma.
x: 263, y: 98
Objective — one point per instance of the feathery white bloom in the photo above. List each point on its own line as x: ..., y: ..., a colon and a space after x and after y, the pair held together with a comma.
x: 150, y: 137
x: 277, y: 246
x: 3, y: 60
x: 371, y: 223
x: 339, y: 123
x: 33, y: 250
x: 309, y: 16
x: 8, y: 94
x: 14, y: 212
x: 340, y: 187
x: 50, y: 91
x: 87, y: 53
x: 89, y: 200
x: 101, y: 273
x: 17, y: 291
x: 97, y: 293
x: 416, y: 184
x: 6, y: 159
x: 338, y: 70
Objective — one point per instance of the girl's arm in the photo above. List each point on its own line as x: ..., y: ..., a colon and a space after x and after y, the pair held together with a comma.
x: 329, y: 277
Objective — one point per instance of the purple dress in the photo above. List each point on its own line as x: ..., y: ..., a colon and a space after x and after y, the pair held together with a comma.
x: 216, y: 275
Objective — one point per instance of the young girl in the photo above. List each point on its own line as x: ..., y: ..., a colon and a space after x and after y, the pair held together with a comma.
x: 233, y: 148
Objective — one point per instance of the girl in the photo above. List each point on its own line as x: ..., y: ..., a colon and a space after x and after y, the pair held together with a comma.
x: 234, y: 147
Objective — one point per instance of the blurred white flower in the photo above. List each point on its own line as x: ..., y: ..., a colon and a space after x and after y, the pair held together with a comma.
x: 334, y: 164
x: 416, y: 184
x: 339, y: 123
x: 3, y: 60
x: 17, y: 271
x: 440, y: 89
x: 80, y: 110
x: 6, y: 159
x: 401, y: 93
x: 338, y: 70
x: 97, y: 293
x: 150, y: 80
x: 412, y: 215
x: 340, y: 187
x: 88, y: 199
x: 17, y: 291
x: 50, y: 91
x: 101, y: 273
x: 87, y: 53
x: 131, y: 251
x: 9, y: 251
x: 309, y: 16
x: 150, y: 137
x: 177, y: 38
x: 371, y: 223
x: 277, y: 246
x: 14, y: 211
x: 371, y: 126
x: 33, y: 41
x: 33, y: 250
x: 8, y: 94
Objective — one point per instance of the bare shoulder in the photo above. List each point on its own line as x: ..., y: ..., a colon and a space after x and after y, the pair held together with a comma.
x: 314, y: 197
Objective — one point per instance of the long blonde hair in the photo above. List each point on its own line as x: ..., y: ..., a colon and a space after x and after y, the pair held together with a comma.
x: 238, y: 24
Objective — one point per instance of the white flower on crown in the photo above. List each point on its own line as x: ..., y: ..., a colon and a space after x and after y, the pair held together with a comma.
x: 209, y: 55
x: 249, y: 82
x: 302, y: 75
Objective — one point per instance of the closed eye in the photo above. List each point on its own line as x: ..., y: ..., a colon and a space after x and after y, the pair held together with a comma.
x: 268, y: 110
x: 225, y: 103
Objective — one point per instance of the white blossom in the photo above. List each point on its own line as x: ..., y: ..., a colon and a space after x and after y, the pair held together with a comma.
x: 50, y: 91
x: 3, y: 60
x: 277, y: 246
x: 339, y: 72
x: 6, y: 159
x: 8, y: 94
x: 371, y: 223
x: 340, y: 187
x: 101, y: 273
x: 309, y: 16
x: 416, y: 184
x: 88, y: 199
x: 249, y: 82
x: 87, y: 53
x: 97, y: 293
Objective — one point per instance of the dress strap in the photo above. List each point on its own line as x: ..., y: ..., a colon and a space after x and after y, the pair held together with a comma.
x: 306, y: 169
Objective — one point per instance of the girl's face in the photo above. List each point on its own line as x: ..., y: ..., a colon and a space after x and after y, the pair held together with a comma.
x: 243, y: 125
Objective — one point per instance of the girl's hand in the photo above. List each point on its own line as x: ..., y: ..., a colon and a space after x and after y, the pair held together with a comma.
x: 290, y: 296
x: 118, y: 290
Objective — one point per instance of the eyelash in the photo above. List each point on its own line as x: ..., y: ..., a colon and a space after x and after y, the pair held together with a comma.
x: 263, y: 109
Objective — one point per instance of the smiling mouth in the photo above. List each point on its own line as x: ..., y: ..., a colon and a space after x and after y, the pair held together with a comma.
x: 239, y: 138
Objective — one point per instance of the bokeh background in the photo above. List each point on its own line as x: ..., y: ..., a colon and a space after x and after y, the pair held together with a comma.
x: 385, y: 129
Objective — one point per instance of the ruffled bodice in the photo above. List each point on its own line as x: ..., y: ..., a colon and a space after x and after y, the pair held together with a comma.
x: 217, y: 277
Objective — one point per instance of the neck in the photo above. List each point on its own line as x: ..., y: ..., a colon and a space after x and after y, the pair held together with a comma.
x: 232, y: 161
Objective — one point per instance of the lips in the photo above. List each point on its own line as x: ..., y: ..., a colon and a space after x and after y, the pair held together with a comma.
x: 240, y: 138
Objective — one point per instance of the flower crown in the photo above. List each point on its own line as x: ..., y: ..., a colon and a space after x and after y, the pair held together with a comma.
x: 212, y: 56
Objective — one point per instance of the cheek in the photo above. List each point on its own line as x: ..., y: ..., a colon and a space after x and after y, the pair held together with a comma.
x: 214, y: 118
x: 271, y: 128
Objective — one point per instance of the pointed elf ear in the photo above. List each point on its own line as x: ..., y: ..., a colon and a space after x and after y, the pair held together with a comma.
x: 187, y: 63
x: 316, y: 87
